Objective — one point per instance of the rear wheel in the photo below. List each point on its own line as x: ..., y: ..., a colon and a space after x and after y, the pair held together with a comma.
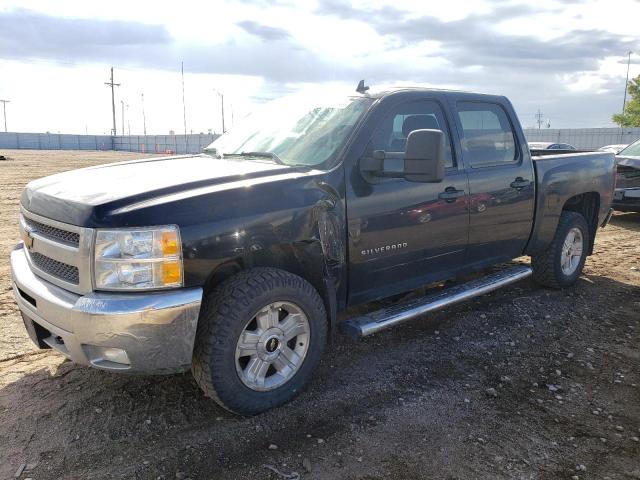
x: 260, y: 336
x: 561, y: 264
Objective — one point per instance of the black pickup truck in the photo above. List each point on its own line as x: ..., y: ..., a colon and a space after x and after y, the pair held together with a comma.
x: 236, y: 262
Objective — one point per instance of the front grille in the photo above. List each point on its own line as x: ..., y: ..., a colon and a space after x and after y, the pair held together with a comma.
x: 53, y: 233
x: 628, y: 177
x: 57, y: 269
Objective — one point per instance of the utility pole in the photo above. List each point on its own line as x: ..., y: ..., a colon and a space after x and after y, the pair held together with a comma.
x: 144, y: 119
x: 222, y: 105
x: 539, y: 119
x: 113, y: 100
x: 122, y: 105
x: 128, y: 121
x: 184, y: 108
x: 626, y: 83
x: 4, y: 108
x: 224, y: 130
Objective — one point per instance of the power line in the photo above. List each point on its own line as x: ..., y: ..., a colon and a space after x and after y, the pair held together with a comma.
x: 4, y: 108
x: 113, y: 100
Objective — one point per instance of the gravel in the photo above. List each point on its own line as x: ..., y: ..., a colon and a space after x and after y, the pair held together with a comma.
x: 46, y: 402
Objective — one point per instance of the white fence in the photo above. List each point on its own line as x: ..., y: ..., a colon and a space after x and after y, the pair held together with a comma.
x: 581, y: 138
x: 162, y: 143
x: 55, y: 141
x: 584, y: 138
x: 129, y: 143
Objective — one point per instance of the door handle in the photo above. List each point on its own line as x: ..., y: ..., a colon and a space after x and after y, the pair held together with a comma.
x: 520, y: 183
x: 450, y: 194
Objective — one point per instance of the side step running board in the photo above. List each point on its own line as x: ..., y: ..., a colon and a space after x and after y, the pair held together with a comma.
x: 388, y: 317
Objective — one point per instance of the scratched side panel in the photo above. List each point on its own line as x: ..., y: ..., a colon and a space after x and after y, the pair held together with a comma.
x: 279, y: 225
x: 275, y: 220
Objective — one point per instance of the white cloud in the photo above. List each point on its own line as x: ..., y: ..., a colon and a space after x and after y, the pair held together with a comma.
x: 561, y: 56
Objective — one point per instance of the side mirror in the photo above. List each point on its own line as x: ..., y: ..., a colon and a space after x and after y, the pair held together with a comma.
x: 424, y: 156
x: 422, y: 161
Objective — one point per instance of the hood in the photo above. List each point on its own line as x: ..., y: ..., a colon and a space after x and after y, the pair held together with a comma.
x: 79, y: 196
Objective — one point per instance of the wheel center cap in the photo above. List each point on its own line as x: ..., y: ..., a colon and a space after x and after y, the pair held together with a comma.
x: 272, y: 345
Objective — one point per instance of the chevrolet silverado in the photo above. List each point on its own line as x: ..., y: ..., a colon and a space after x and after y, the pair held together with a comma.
x: 235, y: 263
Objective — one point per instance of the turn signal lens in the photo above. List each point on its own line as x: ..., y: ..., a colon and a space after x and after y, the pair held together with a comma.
x: 169, y: 243
x: 171, y: 273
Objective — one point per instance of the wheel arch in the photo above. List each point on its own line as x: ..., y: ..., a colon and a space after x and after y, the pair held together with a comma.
x: 304, y: 259
x: 588, y: 205
x: 549, y: 208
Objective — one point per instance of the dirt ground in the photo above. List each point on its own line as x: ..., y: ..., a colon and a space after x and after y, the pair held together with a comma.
x: 525, y: 383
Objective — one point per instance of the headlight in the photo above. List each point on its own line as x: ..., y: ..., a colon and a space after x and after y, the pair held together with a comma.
x: 140, y: 258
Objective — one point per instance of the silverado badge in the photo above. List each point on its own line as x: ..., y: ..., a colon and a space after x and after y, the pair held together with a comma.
x: 384, y: 249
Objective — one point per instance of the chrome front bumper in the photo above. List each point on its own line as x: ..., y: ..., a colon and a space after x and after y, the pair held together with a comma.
x: 150, y: 332
x: 626, y: 199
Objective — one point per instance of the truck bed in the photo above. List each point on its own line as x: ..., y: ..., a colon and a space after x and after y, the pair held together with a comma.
x: 546, y: 152
x: 561, y: 177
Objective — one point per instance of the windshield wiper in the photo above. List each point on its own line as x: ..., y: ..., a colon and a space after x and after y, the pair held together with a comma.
x: 269, y: 155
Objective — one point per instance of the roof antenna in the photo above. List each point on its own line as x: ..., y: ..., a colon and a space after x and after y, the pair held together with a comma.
x: 362, y: 88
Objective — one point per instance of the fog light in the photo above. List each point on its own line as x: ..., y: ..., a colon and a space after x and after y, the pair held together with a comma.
x: 116, y: 355
x: 107, y: 357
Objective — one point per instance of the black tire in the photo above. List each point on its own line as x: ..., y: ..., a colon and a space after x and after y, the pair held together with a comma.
x: 223, y: 317
x: 547, y: 267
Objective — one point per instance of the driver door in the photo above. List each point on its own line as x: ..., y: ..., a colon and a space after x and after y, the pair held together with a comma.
x: 405, y: 234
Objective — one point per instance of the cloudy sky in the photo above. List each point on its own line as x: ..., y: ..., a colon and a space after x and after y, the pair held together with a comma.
x: 564, y: 57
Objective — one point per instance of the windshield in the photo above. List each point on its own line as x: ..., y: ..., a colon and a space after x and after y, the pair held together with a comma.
x: 632, y: 150
x: 294, y: 130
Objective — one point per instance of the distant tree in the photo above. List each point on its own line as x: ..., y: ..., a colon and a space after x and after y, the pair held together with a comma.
x: 631, y: 115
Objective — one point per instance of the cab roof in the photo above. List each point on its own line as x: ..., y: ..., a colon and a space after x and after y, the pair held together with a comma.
x: 378, y: 94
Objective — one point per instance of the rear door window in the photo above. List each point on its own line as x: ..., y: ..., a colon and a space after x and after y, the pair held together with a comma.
x: 487, y: 135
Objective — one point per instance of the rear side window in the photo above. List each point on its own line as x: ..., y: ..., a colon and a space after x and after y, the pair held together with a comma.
x: 391, y: 135
x: 488, y: 137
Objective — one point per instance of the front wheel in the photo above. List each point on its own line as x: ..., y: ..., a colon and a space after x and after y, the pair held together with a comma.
x: 260, y: 336
x: 561, y: 264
